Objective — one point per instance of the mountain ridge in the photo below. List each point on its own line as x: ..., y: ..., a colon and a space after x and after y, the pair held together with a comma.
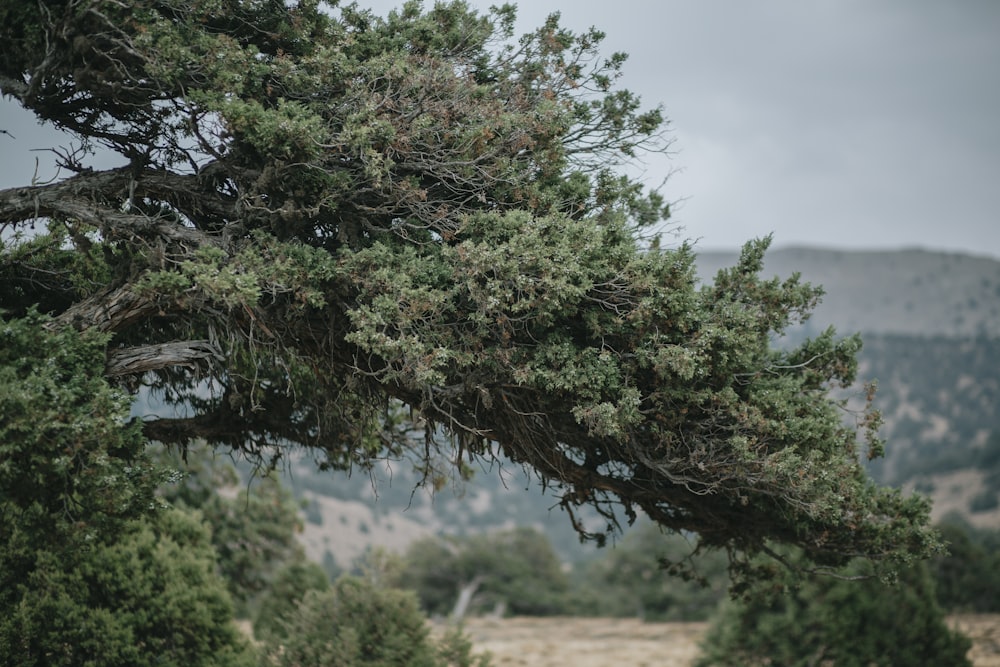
x: 910, y: 291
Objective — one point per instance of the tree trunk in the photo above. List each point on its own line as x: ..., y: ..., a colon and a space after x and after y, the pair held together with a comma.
x: 465, y: 597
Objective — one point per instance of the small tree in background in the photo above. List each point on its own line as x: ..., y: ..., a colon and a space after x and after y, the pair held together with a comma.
x: 254, y: 535
x: 358, y: 623
x: 967, y: 578
x: 628, y: 580
x: 514, y: 570
x: 253, y: 529
x: 278, y: 604
x: 830, y: 621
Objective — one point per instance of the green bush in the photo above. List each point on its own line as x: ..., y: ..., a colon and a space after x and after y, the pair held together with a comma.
x: 254, y: 533
x: 148, y: 596
x: 70, y: 467
x: 357, y: 623
x: 277, y: 605
x: 514, y: 569
x: 830, y: 621
x: 633, y: 579
x: 967, y: 578
x: 93, y: 571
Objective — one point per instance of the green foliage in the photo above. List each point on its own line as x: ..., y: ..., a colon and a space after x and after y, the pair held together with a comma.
x: 253, y: 528
x: 638, y: 577
x: 92, y: 570
x: 358, y: 623
x: 514, y: 569
x: 837, y: 622
x: 278, y: 603
x: 254, y: 535
x: 967, y: 577
x: 428, y: 571
x: 32, y: 255
x: 68, y: 463
x: 327, y: 220
x: 454, y: 649
x: 148, y: 596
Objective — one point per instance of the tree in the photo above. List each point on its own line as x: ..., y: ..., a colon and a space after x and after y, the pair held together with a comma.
x: 278, y: 604
x: 967, y: 578
x: 358, y: 623
x: 68, y: 469
x: 92, y: 569
x: 515, y: 570
x: 253, y: 529
x: 634, y: 579
x: 829, y: 621
x: 327, y: 221
x: 148, y: 596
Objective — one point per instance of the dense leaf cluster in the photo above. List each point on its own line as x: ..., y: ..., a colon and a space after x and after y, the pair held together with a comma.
x: 835, y: 622
x: 93, y: 568
x: 357, y: 622
x: 327, y: 223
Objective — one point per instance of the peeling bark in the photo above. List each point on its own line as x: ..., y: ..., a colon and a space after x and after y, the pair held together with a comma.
x: 191, y: 354
x: 110, y: 310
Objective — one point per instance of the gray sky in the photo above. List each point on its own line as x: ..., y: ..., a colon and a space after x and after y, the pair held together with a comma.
x: 833, y: 123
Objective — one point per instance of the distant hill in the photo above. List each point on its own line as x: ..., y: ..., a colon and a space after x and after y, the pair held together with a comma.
x: 931, y: 326
x: 910, y: 292
x: 347, y: 514
x: 939, y: 397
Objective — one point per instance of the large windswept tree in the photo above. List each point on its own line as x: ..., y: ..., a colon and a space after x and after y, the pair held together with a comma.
x: 375, y: 236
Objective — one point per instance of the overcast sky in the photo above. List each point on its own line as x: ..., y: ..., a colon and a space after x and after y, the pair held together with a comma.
x: 833, y: 123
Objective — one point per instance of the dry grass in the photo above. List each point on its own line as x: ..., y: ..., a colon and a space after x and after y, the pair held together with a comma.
x: 599, y: 642
x: 984, y: 631
x: 584, y: 642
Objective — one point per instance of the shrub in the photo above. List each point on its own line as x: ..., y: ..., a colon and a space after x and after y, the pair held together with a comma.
x: 148, y: 596
x: 278, y: 603
x: 357, y: 623
x: 636, y: 578
x: 967, y: 578
x: 515, y: 569
x: 831, y: 621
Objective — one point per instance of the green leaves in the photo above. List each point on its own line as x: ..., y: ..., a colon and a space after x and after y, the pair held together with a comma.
x: 150, y: 596
x: 829, y: 620
x: 68, y: 460
x: 357, y: 623
x: 679, y: 386
x: 267, y: 270
x: 286, y: 131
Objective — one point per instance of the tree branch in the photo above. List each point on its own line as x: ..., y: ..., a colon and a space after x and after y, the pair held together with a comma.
x: 109, y: 310
x: 191, y: 354
x: 97, y: 198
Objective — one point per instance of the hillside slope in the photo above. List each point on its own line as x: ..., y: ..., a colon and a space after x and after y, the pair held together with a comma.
x: 909, y: 292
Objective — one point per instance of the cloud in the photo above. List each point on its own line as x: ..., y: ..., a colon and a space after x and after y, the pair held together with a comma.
x: 835, y: 122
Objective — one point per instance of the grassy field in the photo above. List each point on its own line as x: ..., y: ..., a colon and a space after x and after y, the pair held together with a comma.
x: 600, y: 642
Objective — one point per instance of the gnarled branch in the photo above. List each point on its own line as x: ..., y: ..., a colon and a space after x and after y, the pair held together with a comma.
x: 192, y: 354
